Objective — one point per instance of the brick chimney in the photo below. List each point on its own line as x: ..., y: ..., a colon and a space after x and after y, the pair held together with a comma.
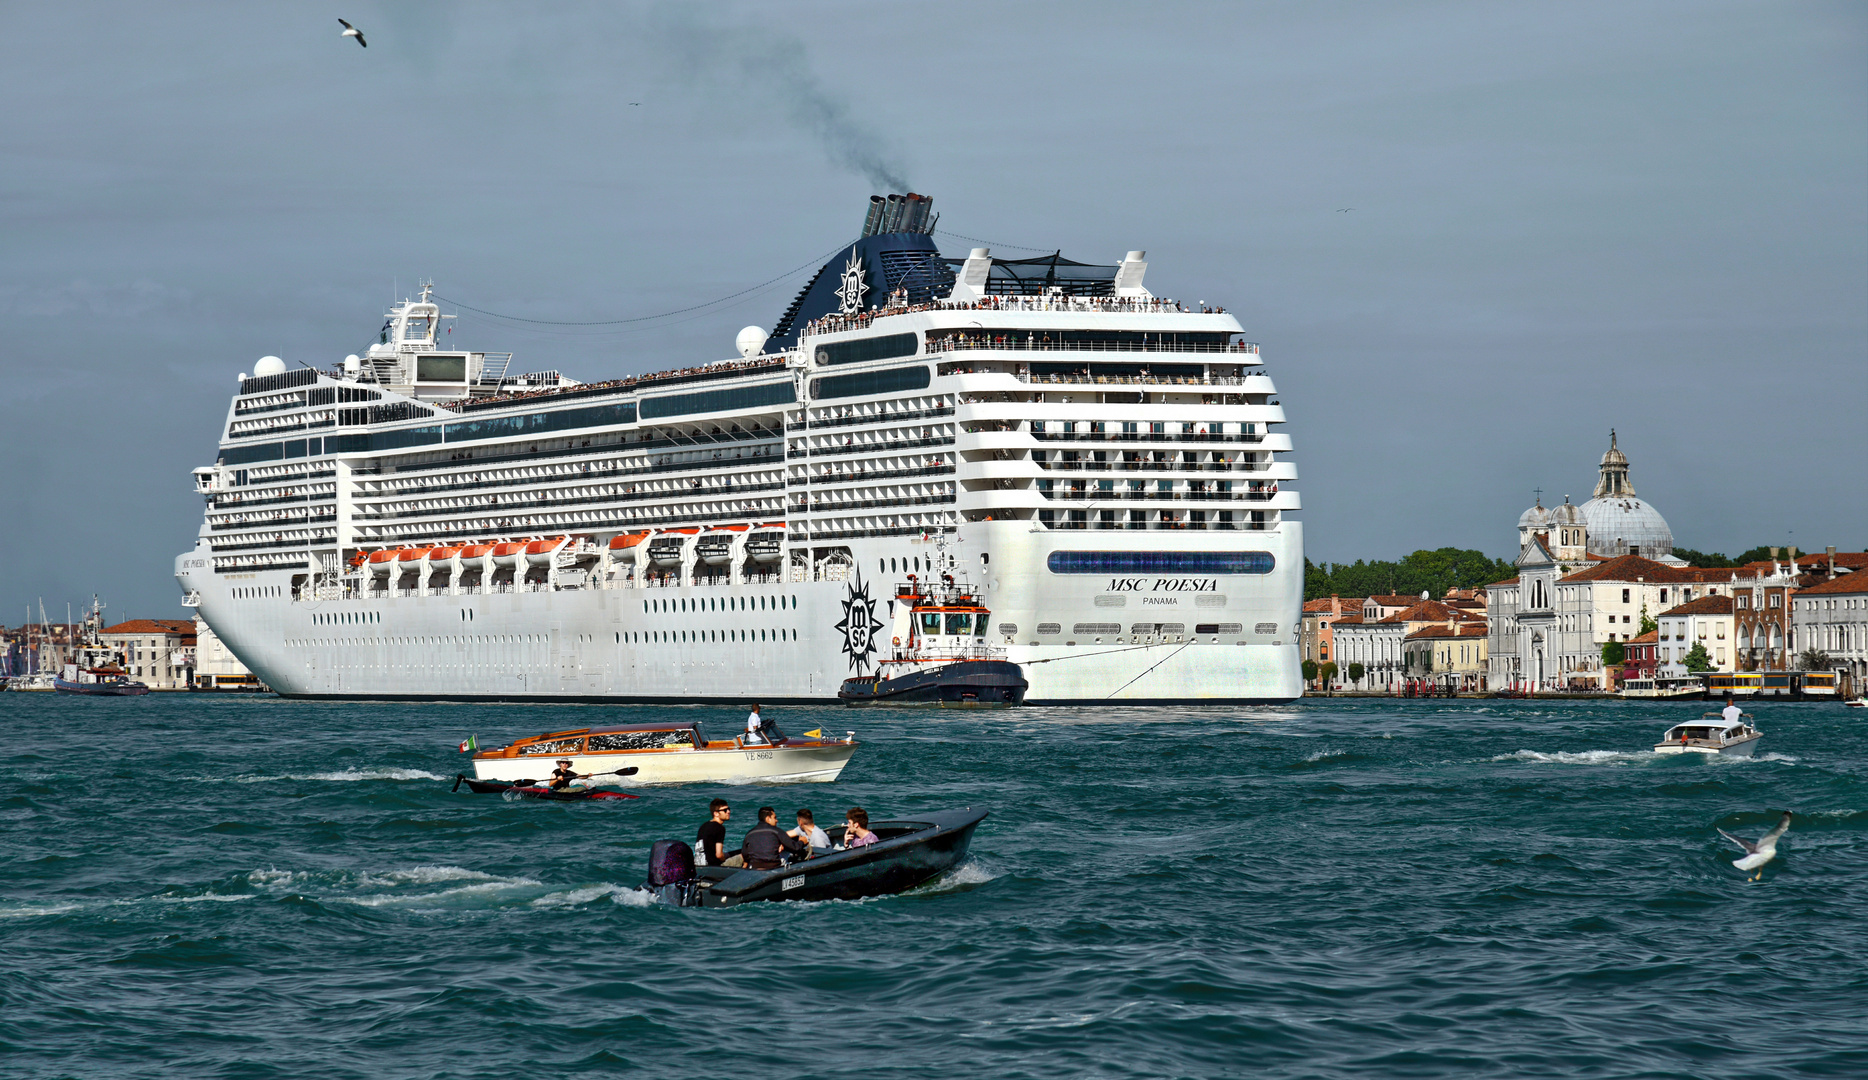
x: 1832, y: 561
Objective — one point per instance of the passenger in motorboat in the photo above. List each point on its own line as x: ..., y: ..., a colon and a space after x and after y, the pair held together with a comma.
x: 766, y: 844
x: 711, y: 839
x: 807, y: 832
x: 856, y: 828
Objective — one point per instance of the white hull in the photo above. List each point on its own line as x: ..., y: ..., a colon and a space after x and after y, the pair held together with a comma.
x: 1737, y: 748
x: 751, y: 765
x: 599, y: 644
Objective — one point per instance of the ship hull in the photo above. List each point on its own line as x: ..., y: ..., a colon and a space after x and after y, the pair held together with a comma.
x: 967, y: 684
x: 782, y: 641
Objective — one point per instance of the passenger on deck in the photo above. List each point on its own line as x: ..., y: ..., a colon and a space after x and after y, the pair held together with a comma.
x: 562, y: 776
x: 765, y: 841
x: 711, y: 839
x: 808, y: 832
x: 856, y: 828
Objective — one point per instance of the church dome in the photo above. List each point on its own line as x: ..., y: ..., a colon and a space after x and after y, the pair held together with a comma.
x: 1621, y: 524
x: 1535, y: 518
x: 1567, y: 514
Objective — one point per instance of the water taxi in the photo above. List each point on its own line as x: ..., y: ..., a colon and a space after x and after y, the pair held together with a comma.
x: 1710, y: 734
x: 671, y: 752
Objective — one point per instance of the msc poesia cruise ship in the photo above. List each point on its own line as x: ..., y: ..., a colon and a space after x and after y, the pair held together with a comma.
x: 1103, y: 468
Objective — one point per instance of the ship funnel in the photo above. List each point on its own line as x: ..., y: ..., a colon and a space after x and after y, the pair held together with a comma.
x: 908, y: 213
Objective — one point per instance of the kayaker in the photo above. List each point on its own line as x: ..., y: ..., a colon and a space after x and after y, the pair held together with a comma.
x: 562, y: 776
x: 856, y: 828
x: 807, y: 832
x: 766, y: 841
x: 711, y: 839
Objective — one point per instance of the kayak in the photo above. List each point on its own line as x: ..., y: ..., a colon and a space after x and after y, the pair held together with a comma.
x: 535, y: 791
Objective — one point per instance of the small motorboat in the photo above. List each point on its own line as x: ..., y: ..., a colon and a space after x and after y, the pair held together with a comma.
x: 672, y: 752
x: 906, y: 853
x: 1710, y: 734
x: 1857, y: 703
x: 526, y: 789
x: 938, y: 655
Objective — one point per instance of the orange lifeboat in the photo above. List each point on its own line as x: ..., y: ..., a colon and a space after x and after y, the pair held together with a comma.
x: 538, y: 552
x: 447, y: 558
x: 382, y: 562
x: 508, y: 554
x: 627, y: 548
x: 473, y: 556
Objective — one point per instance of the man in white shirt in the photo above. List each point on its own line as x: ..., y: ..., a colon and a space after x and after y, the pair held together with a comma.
x: 808, y: 832
x: 1732, y: 713
x: 754, y: 734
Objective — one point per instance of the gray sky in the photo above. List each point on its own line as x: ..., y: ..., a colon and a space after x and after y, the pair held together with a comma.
x: 1567, y: 217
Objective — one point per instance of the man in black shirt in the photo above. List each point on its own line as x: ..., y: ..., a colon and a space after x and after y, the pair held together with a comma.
x: 765, y: 840
x: 711, y: 840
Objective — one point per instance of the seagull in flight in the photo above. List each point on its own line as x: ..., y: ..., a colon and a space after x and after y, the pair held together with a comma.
x: 1756, y: 855
x: 1345, y: 209
x: 352, y: 32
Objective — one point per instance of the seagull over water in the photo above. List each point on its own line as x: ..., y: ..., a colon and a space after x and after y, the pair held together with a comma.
x: 1756, y: 855
x: 352, y: 32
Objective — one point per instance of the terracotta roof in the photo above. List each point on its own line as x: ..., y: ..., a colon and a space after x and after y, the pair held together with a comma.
x: 1705, y: 605
x: 153, y: 626
x: 1349, y: 603
x: 1465, y: 630
x: 1507, y: 581
x: 1648, y: 638
x: 1347, y: 619
x: 1392, y: 600
x: 1854, y: 560
x: 1630, y: 567
x: 1844, y: 583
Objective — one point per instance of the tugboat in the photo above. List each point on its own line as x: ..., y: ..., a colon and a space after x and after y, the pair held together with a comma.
x: 96, y: 670
x: 938, y: 654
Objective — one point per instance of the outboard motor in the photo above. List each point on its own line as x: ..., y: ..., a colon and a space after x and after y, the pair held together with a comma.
x: 671, y: 874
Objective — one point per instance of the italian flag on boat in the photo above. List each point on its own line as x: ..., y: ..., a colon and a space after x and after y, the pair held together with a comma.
x: 472, y: 743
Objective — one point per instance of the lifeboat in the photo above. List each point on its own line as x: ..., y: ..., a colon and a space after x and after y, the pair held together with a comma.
x: 627, y: 548
x: 446, y: 558
x: 508, y: 554
x: 539, y: 552
x: 474, y: 556
x: 715, y: 547
x: 765, y: 543
x: 665, y: 550
x: 382, y: 562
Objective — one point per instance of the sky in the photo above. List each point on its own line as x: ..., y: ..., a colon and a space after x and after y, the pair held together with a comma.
x: 1470, y: 238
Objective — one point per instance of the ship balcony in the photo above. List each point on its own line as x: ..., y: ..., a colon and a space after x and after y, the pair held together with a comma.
x: 1265, y: 499
x: 997, y: 470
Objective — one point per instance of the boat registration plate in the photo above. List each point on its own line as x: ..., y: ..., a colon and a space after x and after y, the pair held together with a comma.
x: 758, y: 755
x: 791, y: 883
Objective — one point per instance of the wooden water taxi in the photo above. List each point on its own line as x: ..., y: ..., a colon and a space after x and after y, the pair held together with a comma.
x: 672, y: 752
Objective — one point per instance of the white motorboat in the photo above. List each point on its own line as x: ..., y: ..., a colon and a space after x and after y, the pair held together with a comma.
x: 1710, y: 734
x: 1857, y: 703
x: 673, y: 752
x: 1684, y: 686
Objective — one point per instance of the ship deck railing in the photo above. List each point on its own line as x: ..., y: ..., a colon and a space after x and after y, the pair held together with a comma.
x: 890, y: 447
x: 1158, y: 526
x: 1126, y: 305
x: 874, y: 418
x: 1146, y: 436
x: 535, y: 505
x: 1155, y: 466
x: 1119, y: 495
x: 1013, y: 342
x: 686, y: 442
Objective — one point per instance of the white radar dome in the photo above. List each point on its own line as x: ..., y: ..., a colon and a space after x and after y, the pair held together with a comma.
x: 269, y: 365
x: 352, y: 363
x: 750, y: 341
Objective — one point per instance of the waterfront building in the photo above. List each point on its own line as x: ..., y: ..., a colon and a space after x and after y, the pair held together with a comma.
x: 1451, y: 656
x: 1832, y: 617
x: 1761, y: 597
x: 1643, y: 655
x: 1380, y: 645
x: 160, y: 653
x: 1706, y: 621
x: 1318, y: 635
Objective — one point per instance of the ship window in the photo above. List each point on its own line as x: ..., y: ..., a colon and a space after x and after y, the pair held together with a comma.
x: 884, y: 347
x: 1161, y: 562
x: 930, y: 622
x: 441, y: 368
x: 961, y: 623
x: 869, y: 383
x: 738, y: 397
x: 1049, y: 628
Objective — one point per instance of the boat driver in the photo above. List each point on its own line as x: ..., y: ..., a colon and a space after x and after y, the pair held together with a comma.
x: 765, y: 842
x: 1732, y: 713
x: 562, y: 776
x: 754, y: 726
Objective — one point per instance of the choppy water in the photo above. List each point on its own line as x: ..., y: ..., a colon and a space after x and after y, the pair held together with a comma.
x: 259, y: 888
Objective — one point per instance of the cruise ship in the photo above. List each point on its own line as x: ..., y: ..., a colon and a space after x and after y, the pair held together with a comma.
x: 1103, y: 467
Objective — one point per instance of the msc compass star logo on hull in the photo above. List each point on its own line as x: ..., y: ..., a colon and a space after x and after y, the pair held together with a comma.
x: 853, y: 287
x: 859, y: 626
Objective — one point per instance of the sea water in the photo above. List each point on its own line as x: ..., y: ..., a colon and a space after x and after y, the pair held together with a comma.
x: 248, y: 887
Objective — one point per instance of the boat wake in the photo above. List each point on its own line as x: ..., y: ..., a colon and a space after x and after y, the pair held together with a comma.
x: 1580, y: 757
x: 969, y: 875
x: 346, y: 776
